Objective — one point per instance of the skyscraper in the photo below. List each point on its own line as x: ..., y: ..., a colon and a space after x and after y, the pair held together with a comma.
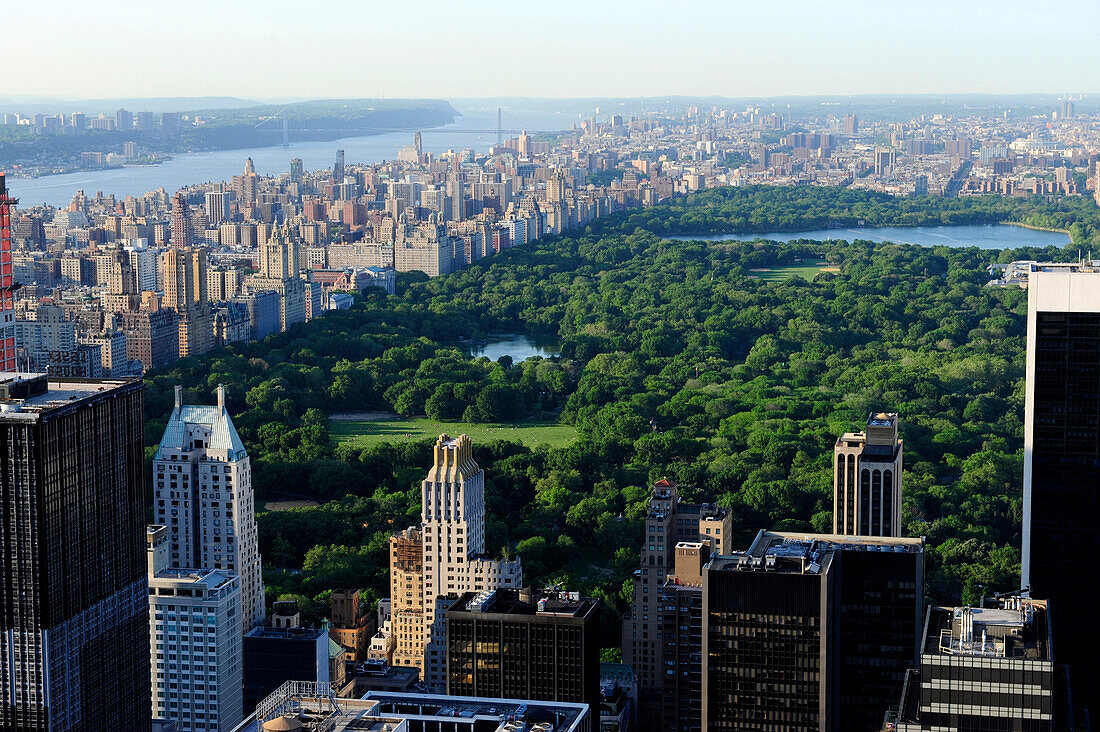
x: 1061, y: 546
x: 296, y: 170
x: 668, y: 522
x: 851, y: 124
x: 867, y: 479
x: 809, y: 632
x: 74, y: 631
x: 183, y: 233
x: 217, y: 207
x: 197, y: 670
x: 185, y: 291
x: 338, y: 168
x: 452, y: 560
x: 7, y: 281
x: 279, y: 272
x: 203, y: 493
x: 680, y: 603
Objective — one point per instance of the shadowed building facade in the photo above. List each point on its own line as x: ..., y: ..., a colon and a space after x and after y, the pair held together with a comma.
x: 519, y: 645
x: 809, y: 632
x: 74, y: 626
x: 1061, y: 522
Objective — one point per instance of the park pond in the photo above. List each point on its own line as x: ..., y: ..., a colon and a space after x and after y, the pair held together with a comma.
x: 983, y: 236
x: 519, y: 347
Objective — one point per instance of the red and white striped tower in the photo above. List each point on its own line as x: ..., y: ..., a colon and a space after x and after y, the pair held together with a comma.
x: 7, y: 282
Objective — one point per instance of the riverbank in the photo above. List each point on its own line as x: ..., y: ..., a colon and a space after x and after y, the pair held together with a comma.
x: 982, y: 236
x: 1038, y: 228
x: 474, y: 129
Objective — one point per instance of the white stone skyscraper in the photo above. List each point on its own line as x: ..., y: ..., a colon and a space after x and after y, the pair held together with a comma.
x: 202, y: 491
x: 452, y: 532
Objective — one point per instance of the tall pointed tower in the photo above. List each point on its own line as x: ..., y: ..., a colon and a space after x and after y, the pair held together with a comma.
x: 202, y: 491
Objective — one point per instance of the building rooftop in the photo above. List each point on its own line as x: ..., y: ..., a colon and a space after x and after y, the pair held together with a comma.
x: 1015, y: 628
x: 211, y: 579
x: 794, y: 553
x: 310, y: 707
x: 510, y: 715
x: 512, y: 602
x: 301, y: 633
x: 26, y: 396
x: 223, y: 435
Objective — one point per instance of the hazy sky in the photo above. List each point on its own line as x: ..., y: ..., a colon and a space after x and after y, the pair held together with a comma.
x: 559, y: 48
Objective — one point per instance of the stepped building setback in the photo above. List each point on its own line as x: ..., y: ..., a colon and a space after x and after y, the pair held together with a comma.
x: 669, y: 521
x: 435, y: 563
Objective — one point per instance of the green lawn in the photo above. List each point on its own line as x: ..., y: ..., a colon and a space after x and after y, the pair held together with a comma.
x: 530, y: 433
x: 778, y: 274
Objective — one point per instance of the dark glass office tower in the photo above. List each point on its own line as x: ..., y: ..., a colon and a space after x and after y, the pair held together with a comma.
x: 74, y: 626
x: 1061, y: 532
x: 507, y: 644
x: 810, y: 632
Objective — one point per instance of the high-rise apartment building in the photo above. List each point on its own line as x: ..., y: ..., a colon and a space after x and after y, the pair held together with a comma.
x: 810, y: 632
x: 985, y: 668
x: 152, y: 336
x: 279, y: 272
x: 183, y: 231
x: 668, y: 522
x: 851, y: 124
x: 202, y: 491
x: 7, y: 281
x: 74, y: 631
x: 1061, y: 548
x: 217, y: 207
x: 885, y: 158
x: 407, y: 630
x: 194, y: 642
x: 297, y: 170
x: 867, y: 479
x: 185, y: 292
x: 522, y: 645
x: 452, y: 559
x: 681, y: 613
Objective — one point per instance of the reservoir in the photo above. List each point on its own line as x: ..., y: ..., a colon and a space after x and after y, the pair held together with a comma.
x: 983, y: 236
x: 474, y: 129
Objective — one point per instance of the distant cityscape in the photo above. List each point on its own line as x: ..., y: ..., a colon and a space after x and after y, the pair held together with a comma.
x: 115, y: 287
x: 792, y: 630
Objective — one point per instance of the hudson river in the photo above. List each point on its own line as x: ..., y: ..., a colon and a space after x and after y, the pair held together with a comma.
x: 189, y: 168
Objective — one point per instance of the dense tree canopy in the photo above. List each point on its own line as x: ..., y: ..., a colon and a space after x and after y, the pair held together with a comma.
x: 676, y: 361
